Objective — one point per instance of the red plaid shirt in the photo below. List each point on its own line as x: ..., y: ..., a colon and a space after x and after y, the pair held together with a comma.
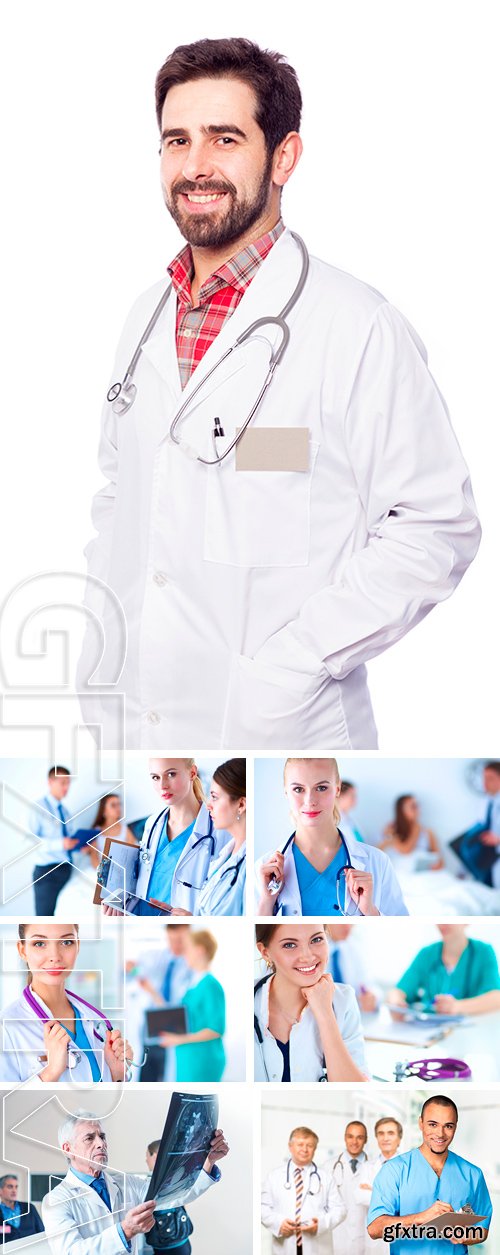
x: 197, y: 326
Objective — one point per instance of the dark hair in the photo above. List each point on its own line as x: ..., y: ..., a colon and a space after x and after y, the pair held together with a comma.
x: 441, y: 1101
x: 494, y: 765
x: 361, y: 1125
x: 99, y: 819
x: 273, y: 80
x: 303, y: 1131
x: 153, y: 1147
x: 57, y: 771
x: 345, y: 786
x: 232, y: 777
x: 402, y: 825
x: 388, y: 1120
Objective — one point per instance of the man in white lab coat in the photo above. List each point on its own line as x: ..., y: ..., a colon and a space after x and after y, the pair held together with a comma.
x: 93, y: 1209
x: 301, y: 1204
x: 388, y: 1133
x: 264, y: 545
x: 350, y: 1235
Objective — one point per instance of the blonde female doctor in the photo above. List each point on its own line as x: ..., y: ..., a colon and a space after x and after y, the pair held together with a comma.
x: 320, y: 871
x: 49, y: 1033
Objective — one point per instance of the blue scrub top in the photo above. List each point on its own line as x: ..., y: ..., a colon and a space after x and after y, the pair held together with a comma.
x: 82, y: 1043
x: 318, y: 890
x: 407, y: 1185
x: 167, y: 856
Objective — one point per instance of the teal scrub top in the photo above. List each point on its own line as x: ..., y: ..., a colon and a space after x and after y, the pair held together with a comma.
x: 166, y: 858
x: 407, y: 1185
x: 318, y: 890
x: 82, y: 1043
x: 475, y: 973
x: 205, y: 1008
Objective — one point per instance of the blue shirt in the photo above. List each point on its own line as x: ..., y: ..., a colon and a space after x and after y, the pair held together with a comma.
x: 84, y: 1176
x: 12, y: 1217
x: 318, y: 890
x: 167, y: 856
x: 82, y: 1043
x: 407, y: 1185
x: 48, y: 824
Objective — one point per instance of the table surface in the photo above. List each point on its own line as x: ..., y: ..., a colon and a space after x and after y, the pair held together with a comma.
x: 476, y: 1041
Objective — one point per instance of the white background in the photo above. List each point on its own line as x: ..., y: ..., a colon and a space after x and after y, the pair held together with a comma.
x: 397, y: 185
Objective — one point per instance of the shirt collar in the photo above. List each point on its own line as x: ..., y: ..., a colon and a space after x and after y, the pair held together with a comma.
x: 87, y: 1177
x: 236, y: 273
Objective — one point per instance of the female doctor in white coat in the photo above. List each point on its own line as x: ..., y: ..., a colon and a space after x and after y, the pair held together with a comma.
x: 321, y: 1208
x: 319, y: 871
x: 50, y: 1034
x: 305, y: 1027
x: 224, y: 890
x: 179, y: 843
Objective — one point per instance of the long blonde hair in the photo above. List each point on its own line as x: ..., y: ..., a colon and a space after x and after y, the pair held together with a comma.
x: 197, y: 785
x: 335, y: 769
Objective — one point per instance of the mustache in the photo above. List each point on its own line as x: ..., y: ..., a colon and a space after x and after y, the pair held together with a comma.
x: 184, y: 186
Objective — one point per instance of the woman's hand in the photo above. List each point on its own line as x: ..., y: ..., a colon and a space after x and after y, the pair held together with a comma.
x: 272, y: 870
x: 446, y: 1004
x: 56, y: 1041
x: 177, y: 910
x: 360, y: 887
x: 111, y: 910
x: 116, y: 1053
x: 171, y: 1039
x: 164, y: 906
x: 319, y: 997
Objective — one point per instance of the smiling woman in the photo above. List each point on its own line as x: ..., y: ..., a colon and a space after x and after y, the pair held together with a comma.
x: 306, y: 1028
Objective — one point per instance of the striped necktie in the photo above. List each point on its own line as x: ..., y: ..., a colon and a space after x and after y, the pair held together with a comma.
x: 299, y: 1190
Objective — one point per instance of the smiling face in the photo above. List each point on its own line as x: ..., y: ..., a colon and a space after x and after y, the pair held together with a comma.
x: 215, y: 169
x: 388, y: 1138
x: 302, y: 1149
x: 438, y: 1126
x: 50, y: 950
x: 355, y: 1138
x: 298, y: 953
x: 312, y: 788
x: 223, y: 808
x: 87, y: 1150
x: 172, y: 779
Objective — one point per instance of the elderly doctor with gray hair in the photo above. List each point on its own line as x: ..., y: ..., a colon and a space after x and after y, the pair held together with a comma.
x: 102, y: 1210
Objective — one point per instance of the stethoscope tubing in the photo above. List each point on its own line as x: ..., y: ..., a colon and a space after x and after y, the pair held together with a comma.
x: 348, y: 865
x: 145, y: 855
x: 314, y: 1173
x: 34, y: 1005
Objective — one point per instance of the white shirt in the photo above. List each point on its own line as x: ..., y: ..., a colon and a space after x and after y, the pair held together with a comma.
x: 306, y: 1051
x: 22, y: 1043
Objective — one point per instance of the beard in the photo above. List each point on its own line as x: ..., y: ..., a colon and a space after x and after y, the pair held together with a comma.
x: 211, y: 230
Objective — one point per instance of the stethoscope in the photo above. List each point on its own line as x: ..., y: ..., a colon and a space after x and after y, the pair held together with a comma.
x: 339, y: 1163
x: 275, y: 886
x: 433, y: 1070
x: 232, y: 871
x: 122, y: 395
x: 75, y: 1056
x: 145, y: 849
x: 260, y: 1038
x: 287, y: 1184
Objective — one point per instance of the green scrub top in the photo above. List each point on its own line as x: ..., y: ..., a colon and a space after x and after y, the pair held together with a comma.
x: 205, y: 1008
x: 475, y: 973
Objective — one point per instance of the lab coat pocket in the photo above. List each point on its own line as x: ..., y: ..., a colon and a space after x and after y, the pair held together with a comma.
x: 275, y: 708
x: 259, y: 518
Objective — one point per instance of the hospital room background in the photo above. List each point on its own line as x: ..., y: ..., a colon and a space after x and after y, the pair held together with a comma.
x: 328, y: 1112
x: 451, y: 798
x: 30, y: 1149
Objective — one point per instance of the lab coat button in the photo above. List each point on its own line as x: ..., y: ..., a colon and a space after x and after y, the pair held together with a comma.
x: 159, y: 578
x: 153, y: 716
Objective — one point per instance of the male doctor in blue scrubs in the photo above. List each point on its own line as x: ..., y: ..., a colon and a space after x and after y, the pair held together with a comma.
x: 419, y: 1187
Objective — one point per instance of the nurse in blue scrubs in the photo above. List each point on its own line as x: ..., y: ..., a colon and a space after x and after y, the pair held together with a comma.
x: 427, y: 1183
x: 321, y: 870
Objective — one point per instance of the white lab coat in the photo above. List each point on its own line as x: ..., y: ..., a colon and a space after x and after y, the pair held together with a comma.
x: 22, y: 1042
x: 220, y: 876
x: 73, y: 1213
x: 278, y: 1204
x: 254, y: 598
x: 350, y: 1235
x: 366, y: 1176
x: 193, y: 869
x: 387, y: 896
x: 306, y: 1052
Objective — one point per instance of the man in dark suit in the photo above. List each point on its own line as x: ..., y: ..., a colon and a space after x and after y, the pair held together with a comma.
x: 17, y: 1219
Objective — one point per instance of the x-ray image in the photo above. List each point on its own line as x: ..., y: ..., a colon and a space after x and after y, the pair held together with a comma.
x: 189, y: 1128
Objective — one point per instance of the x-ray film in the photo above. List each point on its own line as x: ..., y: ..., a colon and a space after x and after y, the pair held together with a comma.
x: 189, y: 1128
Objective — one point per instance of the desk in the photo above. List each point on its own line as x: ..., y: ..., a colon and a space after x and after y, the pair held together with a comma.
x: 476, y: 1041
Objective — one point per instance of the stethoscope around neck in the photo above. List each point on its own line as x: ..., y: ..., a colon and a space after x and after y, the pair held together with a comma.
x: 121, y: 396
x: 287, y: 1185
x: 74, y: 1055
x: 145, y: 849
x: 260, y: 1037
x: 277, y: 885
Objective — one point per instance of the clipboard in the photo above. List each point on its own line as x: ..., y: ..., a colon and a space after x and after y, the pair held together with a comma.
x: 125, y: 865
